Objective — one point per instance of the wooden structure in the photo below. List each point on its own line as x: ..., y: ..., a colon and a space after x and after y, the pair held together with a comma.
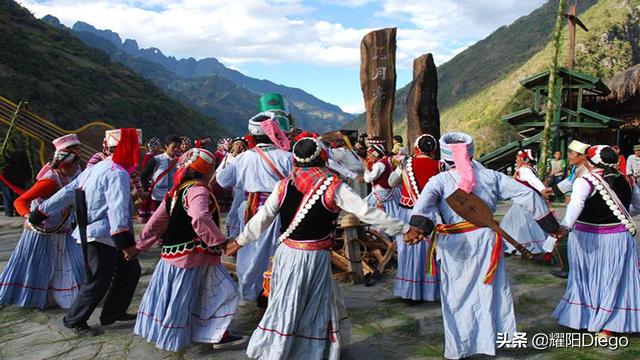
x: 423, y: 116
x: 572, y: 117
x: 378, y: 81
x: 44, y: 131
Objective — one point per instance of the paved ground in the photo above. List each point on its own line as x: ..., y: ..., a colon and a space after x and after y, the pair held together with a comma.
x: 383, y: 326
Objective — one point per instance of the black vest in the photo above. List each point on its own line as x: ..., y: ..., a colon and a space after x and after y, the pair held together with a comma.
x: 179, y: 229
x: 596, y: 210
x: 317, y: 224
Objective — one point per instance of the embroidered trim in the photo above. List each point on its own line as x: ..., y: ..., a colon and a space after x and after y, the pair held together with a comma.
x: 309, y: 245
x: 179, y: 250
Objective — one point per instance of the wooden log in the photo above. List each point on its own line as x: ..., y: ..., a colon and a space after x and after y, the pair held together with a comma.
x: 339, y: 261
x: 378, y: 81
x: 343, y: 276
x: 423, y: 116
x: 352, y: 248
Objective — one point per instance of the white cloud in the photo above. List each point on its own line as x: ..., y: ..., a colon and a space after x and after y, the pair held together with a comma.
x: 353, y: 108
x: 271, y: 31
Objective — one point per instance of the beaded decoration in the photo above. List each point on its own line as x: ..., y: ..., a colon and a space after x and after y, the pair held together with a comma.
x: 612, y: 201
x: 317, y: 192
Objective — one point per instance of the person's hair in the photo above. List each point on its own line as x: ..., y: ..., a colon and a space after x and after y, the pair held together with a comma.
x: 398, y: 138
x: 427, y: 145
x: 172, y: 139
x: 305, y: 148
x: 262, y: 139
x: 56, y: 163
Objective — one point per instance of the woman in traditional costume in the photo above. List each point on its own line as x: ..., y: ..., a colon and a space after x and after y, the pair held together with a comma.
x: 191, y: 297
x: 306, y: 317
x: 45, y: 268
x: 413, y: 282
x: 474, y: 291
x: 384, y: 194
x: 517, y: 222
x: 604, y: 282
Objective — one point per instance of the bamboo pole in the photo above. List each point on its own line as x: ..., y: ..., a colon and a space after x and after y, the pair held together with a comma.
x: 545, y: 150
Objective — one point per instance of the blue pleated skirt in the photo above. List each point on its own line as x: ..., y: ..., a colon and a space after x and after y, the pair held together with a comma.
x: 412, y: 281
x: 391, y: 206
x: 306, y: 317
x: 524, y: 229
x: 253, y: 259
x: 233, y: 218
x: 184, y: 305
x: 603, y: 290
x: 43, y: 270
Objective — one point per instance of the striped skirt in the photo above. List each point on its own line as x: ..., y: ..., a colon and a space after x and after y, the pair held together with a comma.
x: 184, y: 305
x: 604, y: 283
x: 43, y: 270
x: 412, y: 281
x: 521, y: 226
x: 306, y: 317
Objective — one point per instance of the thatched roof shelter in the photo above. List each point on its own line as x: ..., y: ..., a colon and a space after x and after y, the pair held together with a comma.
x: 623, y: 85
x: 624, y: 101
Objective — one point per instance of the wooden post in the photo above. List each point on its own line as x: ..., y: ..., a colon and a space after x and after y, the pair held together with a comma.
x: 423, y: 116
x: 350, y: 223
x: 378, y: 81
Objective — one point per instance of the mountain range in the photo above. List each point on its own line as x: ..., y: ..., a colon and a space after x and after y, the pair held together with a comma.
x: 206, y: 85
x: 479, y: 85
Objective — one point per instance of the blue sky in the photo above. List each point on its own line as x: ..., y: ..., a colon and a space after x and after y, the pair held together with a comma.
x: 313, y: 45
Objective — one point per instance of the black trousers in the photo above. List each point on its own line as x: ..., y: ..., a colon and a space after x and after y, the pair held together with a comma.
x: 113, y: 276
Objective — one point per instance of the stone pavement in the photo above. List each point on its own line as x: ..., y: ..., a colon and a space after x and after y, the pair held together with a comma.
x: 384, y: 327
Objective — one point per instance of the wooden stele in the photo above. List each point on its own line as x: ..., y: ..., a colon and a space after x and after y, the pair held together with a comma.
x: 378, y: 81
x: 423, y: 116
x: 471, y: 208
x: 350, y: 223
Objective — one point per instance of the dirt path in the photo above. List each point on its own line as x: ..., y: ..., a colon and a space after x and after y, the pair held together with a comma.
x: 384, y: 327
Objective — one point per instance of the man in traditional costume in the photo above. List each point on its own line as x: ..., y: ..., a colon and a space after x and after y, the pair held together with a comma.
x: 578, y: 160
x: 46, y: 266
x: 157, y: 175
x: 110, y: 248
x: 384, y: 195
x: 306, y: 316
x: 256, y: 172
x: 474, y: 292
x: 517, y: 222
x: 604, y: 282
x: 191, y: 297
x: 413, y: 282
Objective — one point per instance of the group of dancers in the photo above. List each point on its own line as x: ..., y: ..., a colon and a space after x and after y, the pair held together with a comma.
x: 287, y: 197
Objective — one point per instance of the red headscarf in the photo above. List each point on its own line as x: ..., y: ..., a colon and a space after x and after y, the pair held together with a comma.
x: 128, y: 150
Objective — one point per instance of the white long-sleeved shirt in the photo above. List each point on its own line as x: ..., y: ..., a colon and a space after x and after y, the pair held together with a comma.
x: 376, y: 171
x: 582, y: 191
x: 345, y: 198
x: 527, y: 175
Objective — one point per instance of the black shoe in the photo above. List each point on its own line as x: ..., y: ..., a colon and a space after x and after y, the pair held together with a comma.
x: 125, y: 317
x: 559, y: 273
x: 84, y: 330
x: 230, y: 341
